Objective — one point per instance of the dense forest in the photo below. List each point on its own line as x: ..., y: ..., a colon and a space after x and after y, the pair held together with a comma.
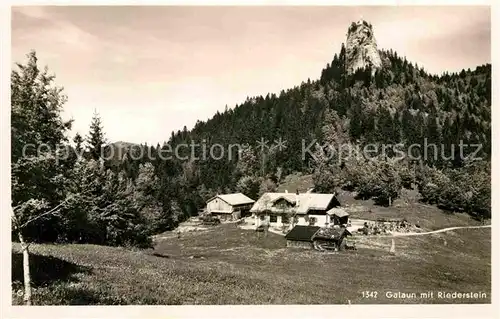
x: 124, y: 200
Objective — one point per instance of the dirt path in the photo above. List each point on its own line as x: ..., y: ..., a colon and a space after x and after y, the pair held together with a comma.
x: 435, y: 231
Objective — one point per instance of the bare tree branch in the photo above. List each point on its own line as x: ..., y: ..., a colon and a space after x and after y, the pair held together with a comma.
x: 49, y: 212
x: 44, y: 214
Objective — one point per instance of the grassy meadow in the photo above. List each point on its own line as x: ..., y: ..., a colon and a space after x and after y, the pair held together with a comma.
x: 227, y: 265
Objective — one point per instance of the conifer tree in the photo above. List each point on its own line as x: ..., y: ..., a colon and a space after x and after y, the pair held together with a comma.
x: 37, y: 179
x: 78, y: 140
x: 95, y: 139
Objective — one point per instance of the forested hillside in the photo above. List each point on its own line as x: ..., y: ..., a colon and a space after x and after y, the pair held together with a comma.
x: 401, y: 103
x: 123, y: 200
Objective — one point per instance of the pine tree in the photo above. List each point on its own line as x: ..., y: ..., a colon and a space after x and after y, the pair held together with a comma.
x: 95, y: 139
x: 78, y: 140
x: 36, y: 106
x: 37, y: 178
x: 146, y: 198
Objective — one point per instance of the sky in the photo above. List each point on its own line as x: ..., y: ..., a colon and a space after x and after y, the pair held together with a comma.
x: 149, y: 70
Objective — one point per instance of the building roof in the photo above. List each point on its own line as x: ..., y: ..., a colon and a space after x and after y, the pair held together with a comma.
x: 333, y: 233
x: 339, y: 212
x: 234, y: 199
x: 302, y: 233
x: 303, y: 202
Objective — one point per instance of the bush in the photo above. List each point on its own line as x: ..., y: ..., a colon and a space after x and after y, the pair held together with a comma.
x: 249, y: 185
x: 465, y: 189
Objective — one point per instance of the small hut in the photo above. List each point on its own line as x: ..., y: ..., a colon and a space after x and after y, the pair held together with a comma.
x: 331, y: 238
x: 301, y: 236
x: 338, y: 216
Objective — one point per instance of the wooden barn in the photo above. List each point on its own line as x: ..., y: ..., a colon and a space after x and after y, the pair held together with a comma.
x: 301, y: 236
x: 229, y: 206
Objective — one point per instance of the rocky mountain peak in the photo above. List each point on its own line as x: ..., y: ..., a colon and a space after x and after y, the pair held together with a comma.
x: 361, y: 47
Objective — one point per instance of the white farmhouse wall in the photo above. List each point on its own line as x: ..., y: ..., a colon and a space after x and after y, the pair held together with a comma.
x: 302, y: 221
x: 218, y: 205
x: 278, y: 222
x: 259, y: 222
x: 321, y: 220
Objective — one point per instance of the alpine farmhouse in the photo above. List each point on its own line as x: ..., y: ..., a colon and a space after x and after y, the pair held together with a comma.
x: 287, y: 209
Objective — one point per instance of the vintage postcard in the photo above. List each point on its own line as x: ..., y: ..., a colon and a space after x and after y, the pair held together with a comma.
x: 190, y: 155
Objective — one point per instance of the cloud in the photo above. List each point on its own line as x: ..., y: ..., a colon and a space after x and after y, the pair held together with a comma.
x: 60, y: 34
x: 31, y: 11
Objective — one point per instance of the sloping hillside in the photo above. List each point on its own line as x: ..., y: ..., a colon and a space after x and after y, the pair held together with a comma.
x: 297, y: 181
x: 226, y: 265
x: 401, y: 103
